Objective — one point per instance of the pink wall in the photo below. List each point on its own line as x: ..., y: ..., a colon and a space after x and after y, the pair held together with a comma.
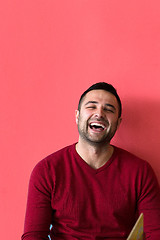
x: 51, y: 51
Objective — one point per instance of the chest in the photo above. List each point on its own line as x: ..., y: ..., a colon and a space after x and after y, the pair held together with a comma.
x: 84, y: 197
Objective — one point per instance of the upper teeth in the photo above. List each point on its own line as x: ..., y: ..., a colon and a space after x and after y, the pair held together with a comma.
x: 97, y: 124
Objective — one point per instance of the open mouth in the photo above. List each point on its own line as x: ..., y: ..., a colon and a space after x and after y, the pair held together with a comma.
x: 97, y: 126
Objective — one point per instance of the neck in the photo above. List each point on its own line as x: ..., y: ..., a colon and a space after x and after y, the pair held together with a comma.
x: 95, y: 155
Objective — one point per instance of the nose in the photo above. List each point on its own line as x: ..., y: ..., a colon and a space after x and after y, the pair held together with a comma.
x: 99, y: 113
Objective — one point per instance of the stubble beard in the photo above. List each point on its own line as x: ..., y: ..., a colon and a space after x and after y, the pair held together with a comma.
x: 105, y: 139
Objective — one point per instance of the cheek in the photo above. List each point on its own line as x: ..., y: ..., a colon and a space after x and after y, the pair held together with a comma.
x: 113, y: 121
x: 82, y: 122
x: 85, y: 116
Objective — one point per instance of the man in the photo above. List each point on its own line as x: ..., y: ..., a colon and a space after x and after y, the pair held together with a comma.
x: 92, y: 189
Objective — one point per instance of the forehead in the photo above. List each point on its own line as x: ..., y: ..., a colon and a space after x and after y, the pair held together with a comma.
x: 100, y: 96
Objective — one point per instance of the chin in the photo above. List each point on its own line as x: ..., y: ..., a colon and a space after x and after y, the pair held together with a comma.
x: 98, y: 141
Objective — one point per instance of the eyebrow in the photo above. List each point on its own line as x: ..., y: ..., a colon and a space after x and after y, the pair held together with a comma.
x: 94, y: 102
x: 107, y: 104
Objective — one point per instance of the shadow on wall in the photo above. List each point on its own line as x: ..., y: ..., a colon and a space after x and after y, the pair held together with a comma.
x: 139, y: 132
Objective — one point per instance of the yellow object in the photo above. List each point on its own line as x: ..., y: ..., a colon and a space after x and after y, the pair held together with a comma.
x: 137, y: 231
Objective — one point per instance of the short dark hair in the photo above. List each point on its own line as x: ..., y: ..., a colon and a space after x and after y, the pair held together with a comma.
x: 102, y: 86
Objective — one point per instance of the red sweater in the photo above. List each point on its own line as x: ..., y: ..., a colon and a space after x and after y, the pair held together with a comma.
x: 83, y: 203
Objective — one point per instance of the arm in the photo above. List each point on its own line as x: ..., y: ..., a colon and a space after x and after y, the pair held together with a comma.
x: 39, y: 211
x: 149, y: 203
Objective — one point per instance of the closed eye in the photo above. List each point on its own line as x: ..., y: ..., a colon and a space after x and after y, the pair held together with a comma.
x: 108, y: 110
x: 93, y: 107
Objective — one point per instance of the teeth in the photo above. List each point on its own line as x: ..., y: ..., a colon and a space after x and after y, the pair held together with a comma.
x: 97, y: 125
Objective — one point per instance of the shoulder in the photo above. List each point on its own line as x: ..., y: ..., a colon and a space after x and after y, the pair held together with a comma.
x: 125, y: 156
x: 135, y: 168
x: 46, y: 170
x: 55, y: 159
x: 130, y: 161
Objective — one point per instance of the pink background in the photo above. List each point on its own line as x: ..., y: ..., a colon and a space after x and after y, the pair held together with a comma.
x: 50, y: 52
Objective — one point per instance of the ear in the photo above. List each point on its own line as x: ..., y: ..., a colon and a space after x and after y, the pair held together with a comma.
x: 77, y: 116
x: 119, y: 122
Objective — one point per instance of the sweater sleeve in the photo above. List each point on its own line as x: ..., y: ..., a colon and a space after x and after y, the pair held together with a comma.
x: 149, y: 203
x: 39, y: 211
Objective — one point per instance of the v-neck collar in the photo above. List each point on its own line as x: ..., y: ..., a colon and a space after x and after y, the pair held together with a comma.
x: 87, y: 166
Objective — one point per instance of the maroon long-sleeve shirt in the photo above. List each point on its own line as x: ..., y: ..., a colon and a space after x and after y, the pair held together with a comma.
x: 76, y: 201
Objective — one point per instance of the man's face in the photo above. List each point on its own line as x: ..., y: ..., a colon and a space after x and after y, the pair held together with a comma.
x: 98, y: 118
